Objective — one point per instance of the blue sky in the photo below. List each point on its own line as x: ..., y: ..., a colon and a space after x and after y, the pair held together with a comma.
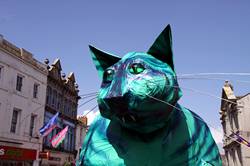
x: 208, y: 36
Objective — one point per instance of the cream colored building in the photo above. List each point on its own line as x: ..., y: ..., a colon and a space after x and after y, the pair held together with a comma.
x: 22, y: 100
x: 80, y: 133
x: 235, y: 117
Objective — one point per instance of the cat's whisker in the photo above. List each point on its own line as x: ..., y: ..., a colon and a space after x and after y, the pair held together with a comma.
x: 84, y: 97
x: 180, y: 77
x: 195, y: 91
x: 197, y: 117
x: 200, y: 92
x: 201, y: 77
x: 213, y: 78
x: 87, y: 94
x: 216, y: 73
x: 87, y: 98
x: 87, y: 101
x: 92, y: 109
x: 209, y: 78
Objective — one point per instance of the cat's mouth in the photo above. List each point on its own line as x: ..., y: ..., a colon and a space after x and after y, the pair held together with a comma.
x: 141, y: 121
x: 150, y: 113
x: 127, y: 118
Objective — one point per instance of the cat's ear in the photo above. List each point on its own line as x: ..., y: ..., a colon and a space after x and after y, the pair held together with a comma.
x: 102, y: 60
x: 162, y: 47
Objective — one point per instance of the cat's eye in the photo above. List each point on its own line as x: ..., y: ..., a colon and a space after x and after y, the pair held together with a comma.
x: 136, y: 68
x: 108, y: 75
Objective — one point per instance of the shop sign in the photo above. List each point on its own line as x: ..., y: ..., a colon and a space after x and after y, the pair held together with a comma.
x: 13, y: 153
x: 55, y: 158
x: 1, y: 152
x: 44, y: 155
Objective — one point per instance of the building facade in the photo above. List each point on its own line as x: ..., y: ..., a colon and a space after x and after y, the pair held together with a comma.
x: 61, y: 96
x: 22, y: 101
x: 235, y: 117
x: 81, y: 128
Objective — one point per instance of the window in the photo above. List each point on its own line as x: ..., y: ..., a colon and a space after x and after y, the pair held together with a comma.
x: 32, y: 124
x: 47, y: 139
x: 35, y: 90
x: 68, y: 108
x: 73, y: 110
x: 69, y: 142
x: 65, y: 106
x: 49, y: 94
x: 54, y: 99
x: 19, y: 83
x: 14, y: 120
x: 59, y: 102
x: 71, y: 138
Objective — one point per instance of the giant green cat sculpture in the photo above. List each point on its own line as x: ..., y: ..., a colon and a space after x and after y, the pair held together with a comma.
x: 141, y: 123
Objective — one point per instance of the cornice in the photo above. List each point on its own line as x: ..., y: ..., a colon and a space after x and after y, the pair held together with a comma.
x: 22, y: 55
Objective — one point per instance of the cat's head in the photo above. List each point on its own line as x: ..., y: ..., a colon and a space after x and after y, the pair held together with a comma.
x: 133, y: 86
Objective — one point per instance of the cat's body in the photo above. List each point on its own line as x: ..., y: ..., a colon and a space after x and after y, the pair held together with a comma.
x: 141, y: 122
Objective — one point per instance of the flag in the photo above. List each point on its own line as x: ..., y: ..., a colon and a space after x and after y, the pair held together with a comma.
x: 241, y: 139
x: 47, y: 128
x: 57, y: 139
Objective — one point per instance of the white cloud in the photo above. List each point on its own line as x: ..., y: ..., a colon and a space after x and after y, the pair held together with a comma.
x: 91, y: 116
x: 217, y: 134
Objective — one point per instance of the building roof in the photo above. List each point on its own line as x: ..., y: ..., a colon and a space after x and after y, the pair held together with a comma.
x: 240, y: 97
x: 57, y: 64
x: 21, y: 54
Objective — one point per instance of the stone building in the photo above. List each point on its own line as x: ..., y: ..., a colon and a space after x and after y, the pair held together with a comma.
x: 80, y: 133
x: 61, y: 96
x: 235, y: 117
x: 22, y: 100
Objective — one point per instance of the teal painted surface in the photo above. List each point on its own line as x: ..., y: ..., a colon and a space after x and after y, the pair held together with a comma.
x: 141, y: 122
x: 184, y: 141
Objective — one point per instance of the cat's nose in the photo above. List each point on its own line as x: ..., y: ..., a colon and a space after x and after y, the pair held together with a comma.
x: 115, y: 100
x: 117, y: 103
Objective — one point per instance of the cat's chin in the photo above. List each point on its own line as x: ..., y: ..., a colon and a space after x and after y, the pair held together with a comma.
x: 141, y: 122
x: 143, y: 116
x: 146, y: 135
x: 146, y: 128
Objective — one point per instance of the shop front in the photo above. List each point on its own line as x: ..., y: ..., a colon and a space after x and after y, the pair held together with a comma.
x: 13, y: 156
x: 57, y: 158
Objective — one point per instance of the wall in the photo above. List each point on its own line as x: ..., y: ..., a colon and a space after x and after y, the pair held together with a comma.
x: 13, y: 63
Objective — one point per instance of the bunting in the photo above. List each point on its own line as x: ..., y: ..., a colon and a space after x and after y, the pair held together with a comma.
x: 57, y: 139
x: 241, y: 139
x: 47, y: 128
